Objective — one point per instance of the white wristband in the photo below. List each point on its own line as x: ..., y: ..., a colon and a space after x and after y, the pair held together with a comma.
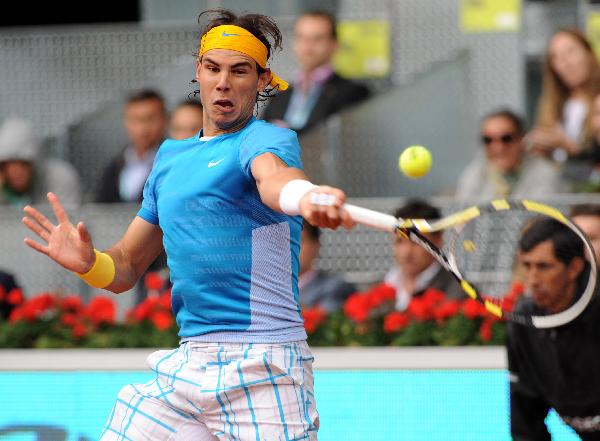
x: 291, y: 193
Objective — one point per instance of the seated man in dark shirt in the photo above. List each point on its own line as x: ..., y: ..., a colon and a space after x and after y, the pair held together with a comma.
x: 145, y: 122
x: 7, y: 284
x: 555, y: 368
x: 416, y: 270
x: 318, y: 92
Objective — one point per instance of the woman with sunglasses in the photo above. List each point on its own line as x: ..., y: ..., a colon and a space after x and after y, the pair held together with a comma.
x: 504, y: 168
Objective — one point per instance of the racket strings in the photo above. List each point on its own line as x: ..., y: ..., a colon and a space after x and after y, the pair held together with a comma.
x: 486, y: 253
x: 485, y: 250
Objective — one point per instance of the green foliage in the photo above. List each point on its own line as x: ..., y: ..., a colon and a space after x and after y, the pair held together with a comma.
x: 370, y: 319
x: 367, y: 319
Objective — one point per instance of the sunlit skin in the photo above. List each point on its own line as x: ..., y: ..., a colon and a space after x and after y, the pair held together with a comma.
x: 17, y: 175
x: 570, y: 61
x: 229, y: 81
x: 186, y: 121
x: 551, y: 283
x: 505, y: 157
x: 145, y: 123
x: 590, y: 225
x: 314, y: 44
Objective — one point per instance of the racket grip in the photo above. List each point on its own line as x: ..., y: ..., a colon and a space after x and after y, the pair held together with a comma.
x: 371, y: 218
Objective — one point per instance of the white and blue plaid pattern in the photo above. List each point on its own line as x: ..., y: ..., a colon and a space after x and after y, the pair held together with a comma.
x: 213, y: 391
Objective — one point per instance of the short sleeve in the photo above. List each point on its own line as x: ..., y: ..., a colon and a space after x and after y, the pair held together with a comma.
x: 267, y: 138
x: 148, y: 210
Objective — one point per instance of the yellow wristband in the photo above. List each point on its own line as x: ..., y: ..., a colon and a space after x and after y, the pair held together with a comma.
x: 102, y: 273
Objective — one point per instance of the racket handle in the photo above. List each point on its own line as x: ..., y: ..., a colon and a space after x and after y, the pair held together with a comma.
x: 372, y: 218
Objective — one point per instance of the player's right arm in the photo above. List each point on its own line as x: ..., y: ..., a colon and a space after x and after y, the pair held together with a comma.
x: 71, y: 245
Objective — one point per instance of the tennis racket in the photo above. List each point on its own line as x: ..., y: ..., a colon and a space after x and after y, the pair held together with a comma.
x: 480, y: 250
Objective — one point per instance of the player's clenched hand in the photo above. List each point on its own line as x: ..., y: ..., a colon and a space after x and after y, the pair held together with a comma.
x: 322, y: 207
x: 69, y: 245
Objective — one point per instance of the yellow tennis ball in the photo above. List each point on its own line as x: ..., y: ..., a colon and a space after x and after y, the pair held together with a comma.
x: 415, y: 161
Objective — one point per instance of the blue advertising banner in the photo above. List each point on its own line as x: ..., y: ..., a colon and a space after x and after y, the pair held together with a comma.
x: 354, y: 405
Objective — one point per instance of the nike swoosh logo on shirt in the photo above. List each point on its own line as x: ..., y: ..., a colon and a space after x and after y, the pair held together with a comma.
x: 213, y: 163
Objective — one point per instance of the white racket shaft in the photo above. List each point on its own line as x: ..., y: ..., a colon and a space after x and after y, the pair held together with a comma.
x: 364, y: 216
x: 371, y: 218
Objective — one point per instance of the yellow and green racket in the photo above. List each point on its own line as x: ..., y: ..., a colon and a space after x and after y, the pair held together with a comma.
x: 481, y: 250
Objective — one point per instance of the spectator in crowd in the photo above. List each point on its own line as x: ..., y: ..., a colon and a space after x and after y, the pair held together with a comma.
x: 186, y: 120
x: 504, y: 168
x: 318, y: 91
x: 571, y: 79
x: 318, y: 288
x: 8, y: 289
x: 587, y: 217
x: 145, y: 121
x: 594, y: 149
x: 25, y: 176
x: 416, y: 270
x: 554, y: 368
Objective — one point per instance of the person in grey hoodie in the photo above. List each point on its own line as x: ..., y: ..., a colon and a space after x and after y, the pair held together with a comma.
x: 25, y: 176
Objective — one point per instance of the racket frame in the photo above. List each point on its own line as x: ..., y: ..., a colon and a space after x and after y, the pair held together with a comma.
x: 414, y: 230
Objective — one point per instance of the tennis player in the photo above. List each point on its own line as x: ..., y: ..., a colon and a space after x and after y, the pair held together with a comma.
x: 556, y: 368
x: 227, y: 209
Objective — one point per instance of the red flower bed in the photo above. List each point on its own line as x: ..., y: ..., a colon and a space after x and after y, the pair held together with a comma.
x: 53, y: 320
x: 367, y: 318
x: 370, y: 317
x: 156, y: 310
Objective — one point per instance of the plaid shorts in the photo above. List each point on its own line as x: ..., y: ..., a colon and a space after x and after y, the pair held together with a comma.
x: 214, y: 391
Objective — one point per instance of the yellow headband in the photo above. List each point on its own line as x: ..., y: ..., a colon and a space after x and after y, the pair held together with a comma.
x: 239, y: 39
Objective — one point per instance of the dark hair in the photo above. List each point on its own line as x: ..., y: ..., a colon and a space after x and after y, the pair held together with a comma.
x: 566, y: 243
x: 314, y: 233
x: 262, y: 27
x: 330, y: 18
x: 146, y: 95
x: 513, y: 117
x: 585, y: 210
x: 417, y: 209
x: 191, y: 102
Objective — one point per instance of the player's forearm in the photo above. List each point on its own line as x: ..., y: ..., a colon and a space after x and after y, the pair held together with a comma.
x: 119, y: 268
x: 126, y: 272
x: 111, y: 270
x: 271, y: 186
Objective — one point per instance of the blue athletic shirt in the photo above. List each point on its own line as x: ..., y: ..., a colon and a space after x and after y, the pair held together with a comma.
x: 233, y: 261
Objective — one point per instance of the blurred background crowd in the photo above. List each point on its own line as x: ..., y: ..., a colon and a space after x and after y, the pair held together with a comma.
x: 507, y: 99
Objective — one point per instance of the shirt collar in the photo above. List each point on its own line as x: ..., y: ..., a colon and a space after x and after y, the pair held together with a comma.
x: 317, y: 76
x: 394, y: 277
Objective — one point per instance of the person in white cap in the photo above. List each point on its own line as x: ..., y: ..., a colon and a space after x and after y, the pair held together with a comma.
x: 25, y: 176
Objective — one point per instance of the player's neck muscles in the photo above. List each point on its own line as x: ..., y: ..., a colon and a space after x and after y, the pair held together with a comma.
x: 212, y: 130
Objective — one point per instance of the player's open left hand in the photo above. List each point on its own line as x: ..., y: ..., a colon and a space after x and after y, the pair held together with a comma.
x: 68, y: 245
x: 322, y: 207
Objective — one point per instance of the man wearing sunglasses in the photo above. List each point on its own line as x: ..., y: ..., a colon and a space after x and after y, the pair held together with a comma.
x: 504, y: 168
